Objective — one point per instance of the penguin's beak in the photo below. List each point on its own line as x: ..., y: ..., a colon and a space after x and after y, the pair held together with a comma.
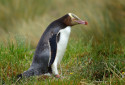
x: 81, y: 22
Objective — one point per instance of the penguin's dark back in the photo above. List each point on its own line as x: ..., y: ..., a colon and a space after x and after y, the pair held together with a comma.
x: 53, y: 28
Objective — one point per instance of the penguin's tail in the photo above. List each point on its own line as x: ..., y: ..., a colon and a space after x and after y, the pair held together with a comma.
x: 27, y: 73
x: 19, y: 76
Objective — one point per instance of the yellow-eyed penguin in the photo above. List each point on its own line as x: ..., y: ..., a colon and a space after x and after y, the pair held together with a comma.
x: 52, y: 46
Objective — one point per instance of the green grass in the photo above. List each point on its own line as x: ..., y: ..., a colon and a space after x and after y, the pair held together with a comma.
x: 88, y: 63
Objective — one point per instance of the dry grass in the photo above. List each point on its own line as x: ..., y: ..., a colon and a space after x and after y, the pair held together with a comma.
x: 30, y: 18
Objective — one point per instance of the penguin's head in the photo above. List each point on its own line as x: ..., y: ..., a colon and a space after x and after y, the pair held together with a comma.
x: 76, y: 20
x: 71, y: 19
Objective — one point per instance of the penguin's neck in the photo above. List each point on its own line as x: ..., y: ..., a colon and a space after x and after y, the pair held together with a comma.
x: 66, y: 31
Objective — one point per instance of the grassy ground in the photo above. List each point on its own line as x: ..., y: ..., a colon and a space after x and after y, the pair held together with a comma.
x: 95, y: 53
x: 86, y: 63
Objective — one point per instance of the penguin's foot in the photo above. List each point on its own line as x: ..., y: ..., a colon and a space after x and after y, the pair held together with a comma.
x: 57, y: 76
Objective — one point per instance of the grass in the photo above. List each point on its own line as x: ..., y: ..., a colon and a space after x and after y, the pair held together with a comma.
x: 30, y: 18
x: 95, y: 53
x: 86, y: 63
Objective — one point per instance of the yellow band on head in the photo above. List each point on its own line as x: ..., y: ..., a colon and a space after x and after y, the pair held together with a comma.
x: 70, y: 14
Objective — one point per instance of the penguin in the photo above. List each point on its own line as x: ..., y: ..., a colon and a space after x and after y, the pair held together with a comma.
x: 51, y: 46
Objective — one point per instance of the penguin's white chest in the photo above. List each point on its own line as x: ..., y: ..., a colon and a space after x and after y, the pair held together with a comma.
x: 62, y: 43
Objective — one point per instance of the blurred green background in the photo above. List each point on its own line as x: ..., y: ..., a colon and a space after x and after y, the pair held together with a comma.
x: 30, y: 18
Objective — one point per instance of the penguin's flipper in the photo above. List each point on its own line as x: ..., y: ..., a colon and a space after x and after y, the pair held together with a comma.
x: 53, y: 46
